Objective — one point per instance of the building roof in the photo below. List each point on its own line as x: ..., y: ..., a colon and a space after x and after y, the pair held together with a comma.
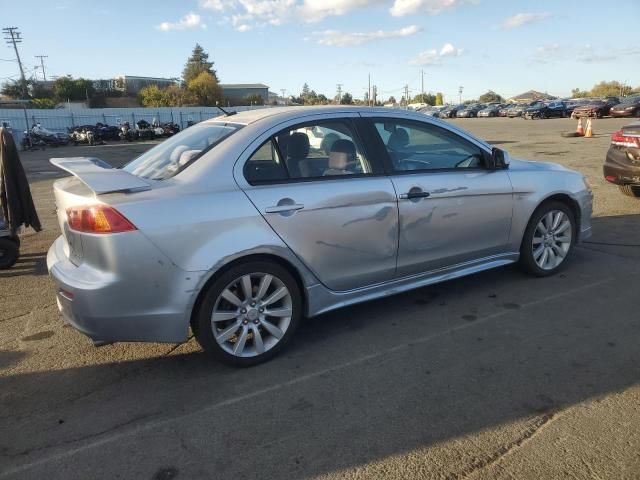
x: 155, y: 79
x: 229, y: 86
x: 532, y: 94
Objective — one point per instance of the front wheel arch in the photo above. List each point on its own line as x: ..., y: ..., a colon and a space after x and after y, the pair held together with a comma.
x: 566, y: 200
x: 258, y: 257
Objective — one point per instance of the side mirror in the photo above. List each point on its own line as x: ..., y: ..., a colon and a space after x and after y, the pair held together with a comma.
x: 498, y: 160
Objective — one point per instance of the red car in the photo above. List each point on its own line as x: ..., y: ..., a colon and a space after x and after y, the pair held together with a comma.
x: 598, y: 108
x: 622, y: 163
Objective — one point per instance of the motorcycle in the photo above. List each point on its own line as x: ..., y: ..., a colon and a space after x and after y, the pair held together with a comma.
x: 170, y: 129
x: 127, y: 133
x: 50, y: 138
x: 29, y: 142
x: 145, y: 132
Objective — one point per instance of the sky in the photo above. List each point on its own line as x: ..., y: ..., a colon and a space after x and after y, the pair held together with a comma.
x: 509, y: 46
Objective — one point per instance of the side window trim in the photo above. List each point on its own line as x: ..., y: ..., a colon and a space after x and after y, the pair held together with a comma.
x: 388, y: 164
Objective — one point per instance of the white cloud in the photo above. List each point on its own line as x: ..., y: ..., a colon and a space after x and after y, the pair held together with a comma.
x: 449, y: 50
x: 401, y: 8
x: 434, y: 57
x: 343, y: 39
x: 316, y: 10
x: 246, y: 14
x: 190, y: 20
x: 555, y: 53
x: 523, y: 19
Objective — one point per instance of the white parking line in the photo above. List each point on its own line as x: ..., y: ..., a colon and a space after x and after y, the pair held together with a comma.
x: 303, y: 378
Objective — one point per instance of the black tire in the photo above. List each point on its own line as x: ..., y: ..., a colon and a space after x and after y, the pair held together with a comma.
x: 9, y: 253
x: 527, y: 261
x: 202, y: 321
x: 630, y: 190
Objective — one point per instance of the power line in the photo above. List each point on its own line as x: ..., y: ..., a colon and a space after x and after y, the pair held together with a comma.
x: 42, y: 57
x: 12, y: 36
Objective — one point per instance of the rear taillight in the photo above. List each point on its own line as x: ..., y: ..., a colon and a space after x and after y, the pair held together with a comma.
x: 621, y: 140
x: 98, y: 219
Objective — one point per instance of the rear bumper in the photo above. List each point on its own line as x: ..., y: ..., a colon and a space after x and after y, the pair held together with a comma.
x: 145, y: 303
x: 619, y: 170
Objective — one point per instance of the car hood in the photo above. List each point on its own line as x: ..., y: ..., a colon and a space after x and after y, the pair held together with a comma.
x: 523, y: 165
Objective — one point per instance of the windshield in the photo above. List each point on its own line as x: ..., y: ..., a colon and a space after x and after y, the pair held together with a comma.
x: 172, y: 156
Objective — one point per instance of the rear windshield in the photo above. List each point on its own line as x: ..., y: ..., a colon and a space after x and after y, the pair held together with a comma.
x: 173, y: 155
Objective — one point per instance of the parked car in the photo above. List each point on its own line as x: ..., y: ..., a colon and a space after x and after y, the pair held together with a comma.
x: 518, y: 110
x: 451, y: 111
x: 504, y: 111
x: 431, y: 111
x: 546, y: 110
x: 470, y: 110
x: 491, y: 110
x: 629, y: 107
x: 597, y: 108
x: 622, y: 164
x: 235, y: 228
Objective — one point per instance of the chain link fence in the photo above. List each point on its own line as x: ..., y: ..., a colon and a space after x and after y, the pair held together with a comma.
x: 61, y: 120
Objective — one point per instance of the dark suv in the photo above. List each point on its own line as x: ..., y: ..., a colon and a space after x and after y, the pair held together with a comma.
x: 622, y: 164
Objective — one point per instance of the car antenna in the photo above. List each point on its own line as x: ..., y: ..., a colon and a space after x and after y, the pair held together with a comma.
x: 226, y: 114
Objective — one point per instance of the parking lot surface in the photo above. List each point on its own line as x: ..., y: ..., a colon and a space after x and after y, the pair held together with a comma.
x: 497, y: 375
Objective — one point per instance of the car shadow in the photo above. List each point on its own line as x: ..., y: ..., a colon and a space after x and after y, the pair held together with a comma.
x: 27, y: 264
x: 358, y: 385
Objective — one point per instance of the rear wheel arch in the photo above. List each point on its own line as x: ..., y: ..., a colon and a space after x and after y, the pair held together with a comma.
x: 258, y: 257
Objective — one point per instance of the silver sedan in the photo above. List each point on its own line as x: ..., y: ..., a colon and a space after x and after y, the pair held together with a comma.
x: 239, y: 226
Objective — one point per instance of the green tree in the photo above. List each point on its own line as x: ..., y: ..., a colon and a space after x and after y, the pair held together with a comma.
x: 322, y: 99
x: 490, y: 97
x: 346, y: 99
x: 205, y: 89
x: 427, y: 98
x: 439, y: 99
x: 197, y: 63
x: 13, y: 89
x: 609, y: 89
x: 68, y: 88
x: 305, y: 90
x: 577, y: 93
x: 254, y: 99
x: 392, y: 99
x: 153, y: 96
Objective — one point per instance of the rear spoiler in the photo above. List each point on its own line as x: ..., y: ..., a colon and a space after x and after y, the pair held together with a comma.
x: 99, y: 176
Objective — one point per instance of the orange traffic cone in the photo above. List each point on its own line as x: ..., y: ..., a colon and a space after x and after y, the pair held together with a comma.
x: 589, y: 132
x: 580, y: 130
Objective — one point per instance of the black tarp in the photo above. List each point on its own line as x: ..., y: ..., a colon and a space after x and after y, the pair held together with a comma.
x: 15, y: 195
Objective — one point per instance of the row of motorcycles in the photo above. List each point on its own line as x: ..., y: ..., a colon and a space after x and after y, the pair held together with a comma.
x: 38, y: 137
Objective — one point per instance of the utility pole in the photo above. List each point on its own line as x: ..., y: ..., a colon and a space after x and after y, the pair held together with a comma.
x: 375, y: 96
x: 422, y: 91
x: 339, y: 90
x: 42, y: 57
x: 282, y: 90
x: 406, y: 96
x: 369, y: 95
x: 12, y: 37
x: 460, y: 88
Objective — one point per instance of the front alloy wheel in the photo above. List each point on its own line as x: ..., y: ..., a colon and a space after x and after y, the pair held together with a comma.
x: 548, y: 240
x: 249, y: 314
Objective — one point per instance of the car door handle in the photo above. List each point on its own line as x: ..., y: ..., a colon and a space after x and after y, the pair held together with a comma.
x: 284, y: 208
x: 414, y: 194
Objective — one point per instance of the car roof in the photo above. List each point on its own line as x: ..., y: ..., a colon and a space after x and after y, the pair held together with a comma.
x: 285, y: 113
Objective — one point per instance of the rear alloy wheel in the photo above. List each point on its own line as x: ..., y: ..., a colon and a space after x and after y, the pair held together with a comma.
x: 630, y: 190
x: 548, y: 240
x: 249, y: 314
x: 9, y: 253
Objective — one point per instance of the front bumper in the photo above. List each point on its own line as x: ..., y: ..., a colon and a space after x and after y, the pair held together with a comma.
x: 150, y: 302
x: 621, y: 113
